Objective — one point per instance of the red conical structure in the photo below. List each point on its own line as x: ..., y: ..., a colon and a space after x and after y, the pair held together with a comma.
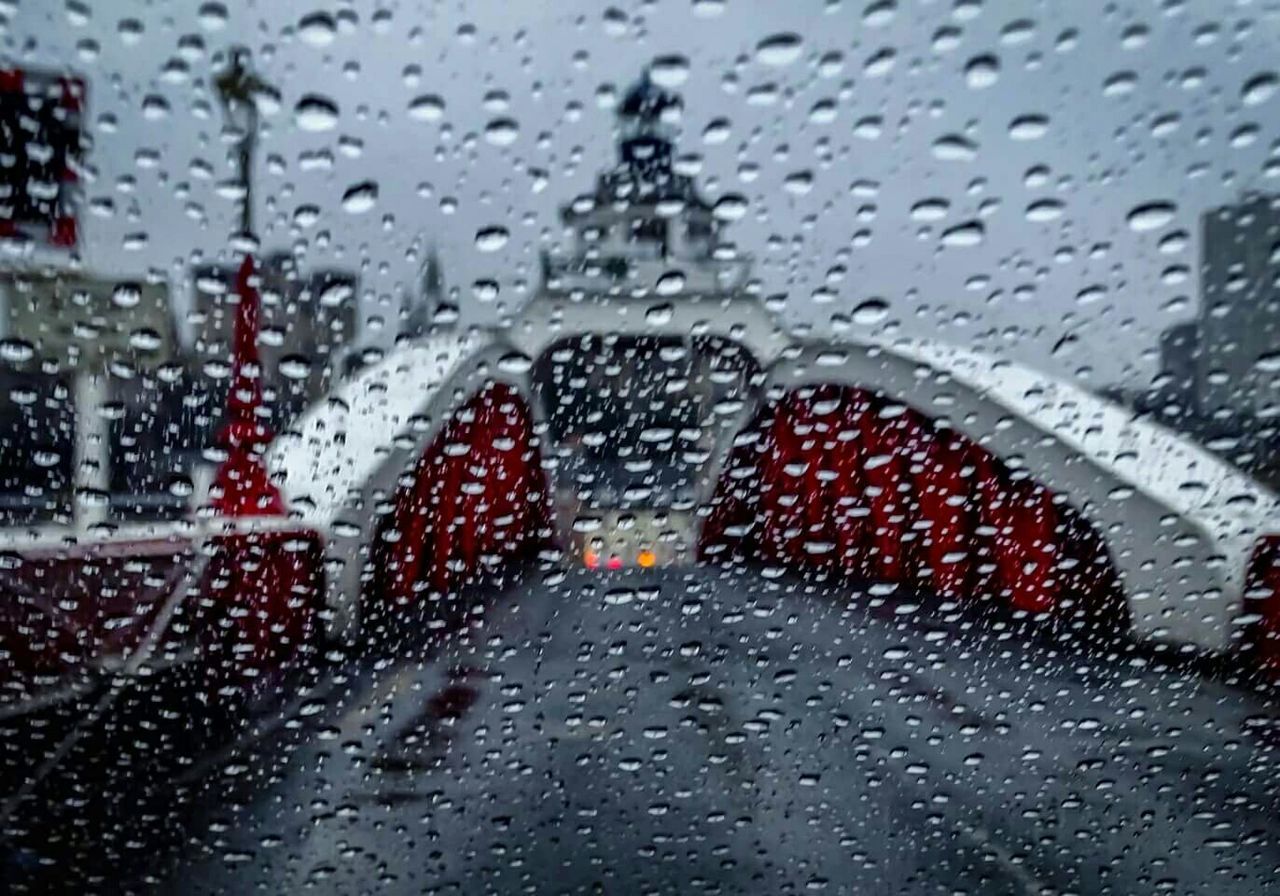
x: 241, y: 486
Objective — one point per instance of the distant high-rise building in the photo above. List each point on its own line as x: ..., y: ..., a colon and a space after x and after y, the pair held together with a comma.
x: 1180, y: 356
x: 308, y: 327
x: 41, y: 149
x: 433, y: 307
x: 1239, y: 324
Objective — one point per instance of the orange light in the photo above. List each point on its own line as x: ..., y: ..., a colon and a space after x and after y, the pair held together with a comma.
x: 615, y: 562
x: 591, y: 559
x: 647, y: 558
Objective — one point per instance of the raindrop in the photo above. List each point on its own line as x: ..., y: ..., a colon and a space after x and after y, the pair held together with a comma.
x: 491, y: 239
x: 670, y: 283
x: 669, y: 71
x: 306, y: 215
x: 869, y: 128
x: 502, y: 131
x: 798, y: 183
x: 716, y: 131
x: 730, y: 207
x: 658, y: 315
x: 130, y: 31
x: 1044, y: 210
x: 823, y: 112
x: 930, y: 210
x: 871, y: 312
x: 1091, y: 294
x: 969, y: 233
x: 1028, y: 127
x: 315, y: 113
x: 126, y: 295
x: 428, y: 107
x: 360, y: 197
x: 485, y: 290
x: 295, y: 367
x: 1151, y: 216
x: 880, y: 63
x: 1119, y: 84
x: 879, y: 14
x: 212, y: 16
x: 336, y: 294
x: 615, y: 22
x: 515, y: 363
x: 982, y: 71
x: 779, y: 50
x: 16, y: 351
x: 1260, y: 88
x: 954, y: 148
x: 145, y: 340
x: 317, y: 29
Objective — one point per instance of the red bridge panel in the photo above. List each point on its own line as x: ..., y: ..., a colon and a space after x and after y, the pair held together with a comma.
x: 842, y: 478
x: 477, y: 496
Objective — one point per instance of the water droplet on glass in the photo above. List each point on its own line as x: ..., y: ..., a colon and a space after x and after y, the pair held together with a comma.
x: 954, y: 148
x: 212, y: 16
x: 871, y: 312
x: 670, y: 283
x: 982, y: 71
x: 1260, y: 88
x: 658, y: 315
x: 730, y: 207
x: 1044, y: 210
x: 779, y: 50
x: 295, y: 367
x: 336, y: 294
x: 491, y: 239
x: 428, y: 107
x: 880, y: 63
x: 16, y: 351
x: 930, y: 210
x: 315, y: 113
x: 716, y: 131
x: 145, y: 340
x: 969, y: 233
x: 360, y: 197
x: 515, y: 363
x: 1028, y: 127
x: 126, y: 295
x: 317, y: 29
x: 502, y: 131
x: 669, y: 71
x: 485, y: 290
x: 1151, y: 216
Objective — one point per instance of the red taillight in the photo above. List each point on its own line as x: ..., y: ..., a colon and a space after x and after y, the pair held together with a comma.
x: 1262, y: 600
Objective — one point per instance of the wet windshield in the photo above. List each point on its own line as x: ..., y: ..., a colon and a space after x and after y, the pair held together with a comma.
x: 652, y: 446
x: 635, y: 419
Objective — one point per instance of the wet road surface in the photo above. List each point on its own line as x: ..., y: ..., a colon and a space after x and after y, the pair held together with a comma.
x: 700, y: 731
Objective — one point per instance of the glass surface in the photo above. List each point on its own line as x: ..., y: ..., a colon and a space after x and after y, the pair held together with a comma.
x: 653, y: 446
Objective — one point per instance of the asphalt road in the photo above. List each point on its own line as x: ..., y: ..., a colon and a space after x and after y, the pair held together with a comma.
x: 703, y: 732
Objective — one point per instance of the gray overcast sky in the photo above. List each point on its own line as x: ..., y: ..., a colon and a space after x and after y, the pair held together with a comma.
x: 1119, y: 104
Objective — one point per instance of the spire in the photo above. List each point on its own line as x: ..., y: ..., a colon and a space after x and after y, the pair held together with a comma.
x: 433, y: 309
x: 241, y: 486
x: 647, y: 141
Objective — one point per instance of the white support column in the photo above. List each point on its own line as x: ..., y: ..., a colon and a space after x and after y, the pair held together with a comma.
x: 92, y: 468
